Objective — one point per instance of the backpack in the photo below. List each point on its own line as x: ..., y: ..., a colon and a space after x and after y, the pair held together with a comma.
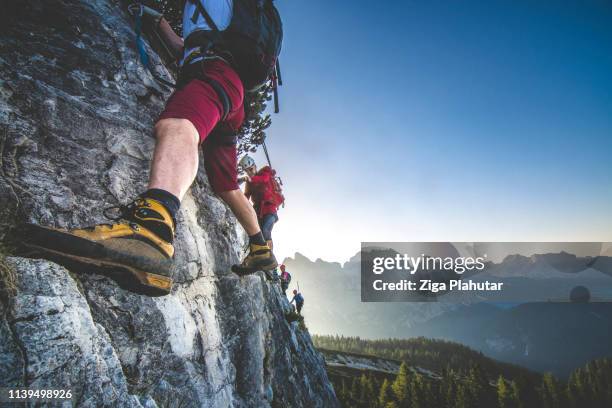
x: 253, y: 39
x: 277, y: 192
x: 271, y: 193
x: 288, y: 279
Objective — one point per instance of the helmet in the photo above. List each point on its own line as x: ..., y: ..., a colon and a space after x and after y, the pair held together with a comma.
x: 282, y: 267
x: 295, y: 291
x: 246, y: 162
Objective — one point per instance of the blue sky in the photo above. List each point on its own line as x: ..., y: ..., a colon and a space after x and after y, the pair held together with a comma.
x: 446, y: 121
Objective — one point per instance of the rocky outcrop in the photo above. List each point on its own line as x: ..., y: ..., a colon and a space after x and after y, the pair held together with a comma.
x: 76, y: 112
x: 339, y: 361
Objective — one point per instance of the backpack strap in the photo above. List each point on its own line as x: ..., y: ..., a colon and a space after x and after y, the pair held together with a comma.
x: 206, y: 40
x: 200, y: 9
x: 195, y: 70
x: 225, y: 100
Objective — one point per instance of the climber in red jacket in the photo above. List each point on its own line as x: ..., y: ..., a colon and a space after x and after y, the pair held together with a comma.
x: 265, y: 193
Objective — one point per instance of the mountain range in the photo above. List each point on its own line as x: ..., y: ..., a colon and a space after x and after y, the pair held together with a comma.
x: 544, y: 336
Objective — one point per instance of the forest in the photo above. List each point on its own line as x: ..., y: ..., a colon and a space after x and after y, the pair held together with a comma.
x: 467, y: 379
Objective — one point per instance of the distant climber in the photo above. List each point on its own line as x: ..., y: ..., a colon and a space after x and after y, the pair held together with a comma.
x: 265, y: 193
x: 285, y: 279
x: 229, y: 47
x: 299, y: 301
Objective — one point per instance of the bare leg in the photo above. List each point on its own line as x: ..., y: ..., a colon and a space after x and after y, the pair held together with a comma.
x: 175, y: 160
x: 242, y: 209
x: 260, y: 256
x: 175, y: 165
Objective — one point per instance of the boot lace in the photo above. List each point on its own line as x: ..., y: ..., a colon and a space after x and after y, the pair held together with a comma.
x: 124, y: 212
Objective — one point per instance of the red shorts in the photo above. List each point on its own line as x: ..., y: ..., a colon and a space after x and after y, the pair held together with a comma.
x: 198, y: 102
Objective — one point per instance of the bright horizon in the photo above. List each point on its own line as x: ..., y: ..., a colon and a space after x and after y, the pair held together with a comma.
x: 427, y: 130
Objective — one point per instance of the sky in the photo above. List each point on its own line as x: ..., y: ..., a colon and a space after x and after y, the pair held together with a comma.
x: 442, y: 121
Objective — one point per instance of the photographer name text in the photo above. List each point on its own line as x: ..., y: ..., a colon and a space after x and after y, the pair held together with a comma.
x: 435, y: 287
x: 425, y: 264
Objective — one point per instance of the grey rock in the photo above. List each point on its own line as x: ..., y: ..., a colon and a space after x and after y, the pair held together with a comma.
x: 76, y: 114
x: 60, y: 345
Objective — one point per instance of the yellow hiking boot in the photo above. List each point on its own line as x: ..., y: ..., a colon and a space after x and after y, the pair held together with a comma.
x: 259, y: 258
x: 135, y: 250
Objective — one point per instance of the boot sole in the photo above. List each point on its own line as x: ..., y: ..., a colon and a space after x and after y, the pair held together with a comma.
x: 237, y: 269
x: 111, y: 263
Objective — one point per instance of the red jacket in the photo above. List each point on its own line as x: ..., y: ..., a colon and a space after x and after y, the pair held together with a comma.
x: 261, y: 191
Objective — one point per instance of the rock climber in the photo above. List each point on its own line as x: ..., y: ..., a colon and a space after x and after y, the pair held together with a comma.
x: 215, y: 71
x: 299, y: 301
x: 265, y: 193
x: 285, y: 278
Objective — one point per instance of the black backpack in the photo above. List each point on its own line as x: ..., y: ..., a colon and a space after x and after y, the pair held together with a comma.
x: 253, y: 39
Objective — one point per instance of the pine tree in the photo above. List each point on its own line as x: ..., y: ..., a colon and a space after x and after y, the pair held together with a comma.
x: 362, y: 387
x: 590, y: 386
x: 525, y: 393
x: 418, y: 397
x: 516, y: 394
x: 551, y: 392
x: 367, y: 391
x: 432, y: 395
x: 449, y: 389
x: 385, y: 395
x: 478, y: 385
x: 355, y: 389
x: 401, y: 385
x: 576, y: 390
x: 504, y: 394
x: 343, y: 395
x: 464, y: 398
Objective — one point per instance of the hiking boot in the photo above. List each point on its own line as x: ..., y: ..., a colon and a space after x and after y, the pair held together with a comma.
x: 272, y: 275
x: 135, y: 250
x: 260, y: 258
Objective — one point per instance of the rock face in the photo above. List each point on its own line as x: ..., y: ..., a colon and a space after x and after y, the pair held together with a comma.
x: 76, y: 113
